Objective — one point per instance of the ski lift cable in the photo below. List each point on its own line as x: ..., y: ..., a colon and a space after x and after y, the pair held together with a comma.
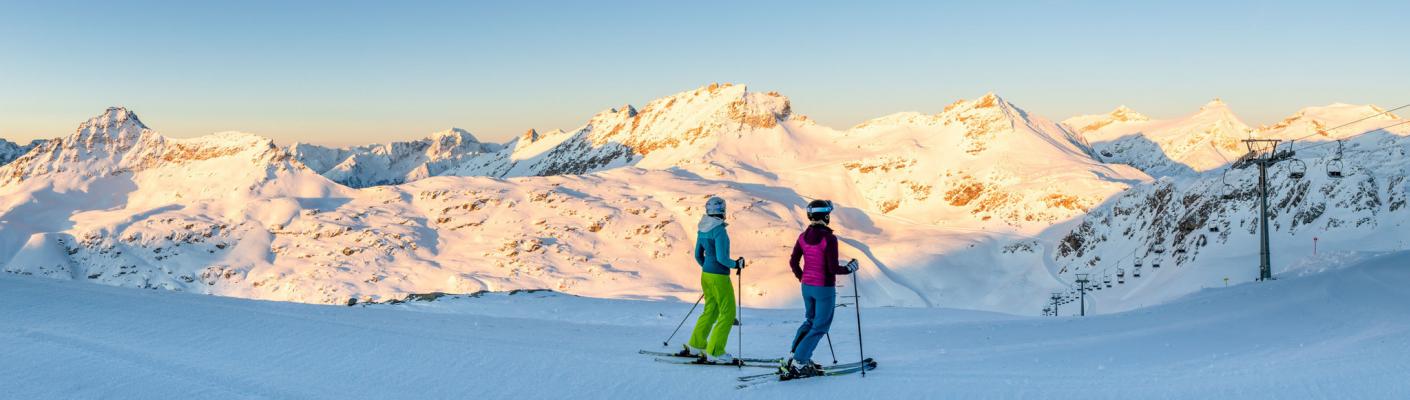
x: 1313, y: 146
x: 1353, y: 122
x: 1220, y: 153
x: 1365, y: 150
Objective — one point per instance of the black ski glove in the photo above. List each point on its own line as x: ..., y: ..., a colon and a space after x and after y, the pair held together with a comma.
x: 852, y: 266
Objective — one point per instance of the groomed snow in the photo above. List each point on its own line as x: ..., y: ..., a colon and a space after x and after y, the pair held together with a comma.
x: 1344, y: 333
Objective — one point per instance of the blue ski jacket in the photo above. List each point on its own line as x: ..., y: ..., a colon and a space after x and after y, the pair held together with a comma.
x: 712, y: 247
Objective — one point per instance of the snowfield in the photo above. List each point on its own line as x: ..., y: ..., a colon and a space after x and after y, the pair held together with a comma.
x: 1341, y: 334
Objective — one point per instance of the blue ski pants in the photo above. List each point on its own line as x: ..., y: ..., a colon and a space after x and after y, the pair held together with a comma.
x: 818, y: 301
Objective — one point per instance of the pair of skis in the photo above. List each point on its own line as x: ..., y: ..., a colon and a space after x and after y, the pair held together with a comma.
x: 756, y: 379
x: 678, y: 358
x: 781, y: 374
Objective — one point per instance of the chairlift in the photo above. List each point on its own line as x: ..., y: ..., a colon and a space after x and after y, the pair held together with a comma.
x: 1335, y: 168
x: 1297, y: 169
x: 1214, y: 229
x: 1138, y: 263
x: 1180, y: 250
x: 1136, y: 273
x: 1229, y: 190
x: 1155, y: 264
x: 1158, y: 248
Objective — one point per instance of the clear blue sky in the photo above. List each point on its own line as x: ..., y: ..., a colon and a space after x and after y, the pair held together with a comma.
x: 357, y: 72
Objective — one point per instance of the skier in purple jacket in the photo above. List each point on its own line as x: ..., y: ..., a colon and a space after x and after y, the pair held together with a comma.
x: 816, y: 248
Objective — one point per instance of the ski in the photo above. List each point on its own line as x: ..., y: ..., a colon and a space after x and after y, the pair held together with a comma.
x: 870, y: 363
x: 697, y: 361
x: 829, y: 372
x: 678, y: 355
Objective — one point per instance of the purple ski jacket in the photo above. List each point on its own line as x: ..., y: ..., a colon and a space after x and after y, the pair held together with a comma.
x: 817, y: 249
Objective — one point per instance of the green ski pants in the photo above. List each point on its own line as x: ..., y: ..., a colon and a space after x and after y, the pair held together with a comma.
x: 712, y: 329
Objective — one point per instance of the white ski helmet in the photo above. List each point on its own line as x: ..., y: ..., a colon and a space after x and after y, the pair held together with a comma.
x: 715, y: 206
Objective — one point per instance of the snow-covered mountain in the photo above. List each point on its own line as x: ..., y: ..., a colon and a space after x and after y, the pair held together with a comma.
x: 1210, y: 138
x: 9, y: 151
x: 904, y: 164
x: 1198, y: 142
x: 980, y: 205
x: 982, y: 160
x: 680, y: 130
x: 392, y: 163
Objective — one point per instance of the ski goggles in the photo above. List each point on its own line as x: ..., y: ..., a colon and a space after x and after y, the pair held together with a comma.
x: 827, y: 209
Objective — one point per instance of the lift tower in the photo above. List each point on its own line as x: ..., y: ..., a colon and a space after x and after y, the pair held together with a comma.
x: 1082, y: 287
x: 1263, y: 153
x: 1057, y: 300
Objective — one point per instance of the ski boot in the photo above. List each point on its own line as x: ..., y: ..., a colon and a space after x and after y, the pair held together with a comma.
x: 725, y: 358
x: 687, y: 351
x: 793, y: 369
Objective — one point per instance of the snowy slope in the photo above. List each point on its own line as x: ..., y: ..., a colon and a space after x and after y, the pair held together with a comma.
x: 1341, y: 334
x: 392, y: 163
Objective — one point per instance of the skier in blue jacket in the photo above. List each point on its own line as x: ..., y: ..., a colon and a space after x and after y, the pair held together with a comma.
x: 711, y: 335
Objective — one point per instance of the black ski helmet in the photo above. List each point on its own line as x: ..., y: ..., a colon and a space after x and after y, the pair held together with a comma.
x: 820, y: 211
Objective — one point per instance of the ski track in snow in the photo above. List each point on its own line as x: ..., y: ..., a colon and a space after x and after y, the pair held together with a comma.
x: 1344, y: 333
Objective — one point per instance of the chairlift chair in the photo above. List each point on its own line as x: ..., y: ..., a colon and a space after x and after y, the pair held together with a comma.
x: 1158, y: 248
x: 1136, y: 273
x: 1229, y: 190
x: 1335, y: 168
x: 1297, y: 169
x: 1155, y: 264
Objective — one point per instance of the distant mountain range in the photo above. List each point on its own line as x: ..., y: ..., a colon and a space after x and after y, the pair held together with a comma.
x: 979, y: 205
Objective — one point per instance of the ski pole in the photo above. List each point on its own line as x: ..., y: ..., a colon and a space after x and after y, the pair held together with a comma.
x: 857, y: 297
x: 739, y: 309
x: 687, y: 316
x: 829, y: 348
